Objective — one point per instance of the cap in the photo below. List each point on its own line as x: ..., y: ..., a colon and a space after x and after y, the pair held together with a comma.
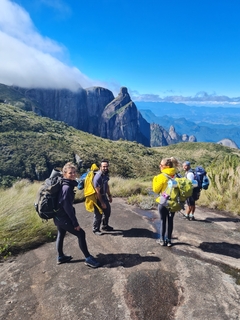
x: 187, y: 163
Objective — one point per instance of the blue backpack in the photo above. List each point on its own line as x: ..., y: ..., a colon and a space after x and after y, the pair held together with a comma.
x: 81, y: 180
x: 201, y: 176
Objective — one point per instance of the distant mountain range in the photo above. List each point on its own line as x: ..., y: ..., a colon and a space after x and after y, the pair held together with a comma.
x: 205, y: 123
x: 211, y: 115
x: 93, y: 110
x: 96, y: 111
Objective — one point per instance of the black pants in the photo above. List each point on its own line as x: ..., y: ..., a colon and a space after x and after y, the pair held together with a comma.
x: 104, y: 217
x: 166, y: 218
x: 79, y: 234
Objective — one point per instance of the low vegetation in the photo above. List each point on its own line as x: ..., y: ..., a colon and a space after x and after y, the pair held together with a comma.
x: 22, y: 229
x: 32, y: 146
x: 223, y: 192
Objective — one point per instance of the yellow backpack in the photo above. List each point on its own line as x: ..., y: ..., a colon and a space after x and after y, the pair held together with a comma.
x: 89, y: 190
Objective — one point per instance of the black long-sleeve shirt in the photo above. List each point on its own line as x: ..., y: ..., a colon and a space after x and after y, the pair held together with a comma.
x: 65, y: 200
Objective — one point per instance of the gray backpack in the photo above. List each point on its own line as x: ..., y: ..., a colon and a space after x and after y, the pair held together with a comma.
x: 46, y: 203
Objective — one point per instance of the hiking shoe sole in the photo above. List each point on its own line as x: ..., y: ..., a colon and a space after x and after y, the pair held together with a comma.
x: 92, y: 262
x: 64, y: 259
x: 161, y: 242
x: 94, y: 266
x: 97, y: 233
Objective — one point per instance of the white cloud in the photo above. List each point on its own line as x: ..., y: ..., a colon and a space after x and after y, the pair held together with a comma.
x: 201, y: 98
x: 59, y: 6
x: 28, y: 59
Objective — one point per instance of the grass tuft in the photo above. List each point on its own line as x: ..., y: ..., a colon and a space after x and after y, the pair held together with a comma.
x: 21, y: 228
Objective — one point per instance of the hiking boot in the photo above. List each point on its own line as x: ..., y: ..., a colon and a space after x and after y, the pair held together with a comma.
x: 186, y: 216
x: 191, y: 217
x: 161, y: 242
x: 63, y: 259
x: 97, y: 232
x: 92, y: 262
x: 107, y: 228
x: 169, y: 243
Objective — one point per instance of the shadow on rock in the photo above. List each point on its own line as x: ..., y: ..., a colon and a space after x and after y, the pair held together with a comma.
x: 183, y: 217
x: 135, y: 233
x: 224, y: 248
x: 75, y: 261
x: 223, y: 219
x: 176, y: 244
x: 139, y: 233
x: 124, y: 259
x: 200, y: 220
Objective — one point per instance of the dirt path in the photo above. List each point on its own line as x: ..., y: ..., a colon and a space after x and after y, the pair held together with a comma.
x: 139, y: 280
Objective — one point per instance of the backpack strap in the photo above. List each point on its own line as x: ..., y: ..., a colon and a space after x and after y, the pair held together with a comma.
x: 167, y: 176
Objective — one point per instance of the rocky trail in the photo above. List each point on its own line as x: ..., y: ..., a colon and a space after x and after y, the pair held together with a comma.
x: 197, y: 278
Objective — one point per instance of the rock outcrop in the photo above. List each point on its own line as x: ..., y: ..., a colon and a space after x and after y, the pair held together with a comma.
x: 173, y: 135
x: 80, y: 109
x: 160, y: 137
x: 121, y: 119
x: 228, y: 143
x: 97, y: 99
x: 93, y: 110
x: 192, y: 138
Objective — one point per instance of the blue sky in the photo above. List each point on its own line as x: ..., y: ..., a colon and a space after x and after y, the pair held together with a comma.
x: 161, y: 50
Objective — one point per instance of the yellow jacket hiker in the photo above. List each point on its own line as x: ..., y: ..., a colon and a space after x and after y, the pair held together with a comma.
x: 160, y: 182
x: 89, y: 190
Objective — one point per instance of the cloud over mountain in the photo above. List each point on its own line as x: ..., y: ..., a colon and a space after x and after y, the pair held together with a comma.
x: 28, y: 59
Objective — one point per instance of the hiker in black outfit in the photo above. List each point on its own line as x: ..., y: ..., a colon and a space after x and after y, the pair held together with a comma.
x: 66, y: 219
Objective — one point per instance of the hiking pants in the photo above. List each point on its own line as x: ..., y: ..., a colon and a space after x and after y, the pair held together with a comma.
x: 79, y: 234
x: 104, y: 217
x: 165, y: 217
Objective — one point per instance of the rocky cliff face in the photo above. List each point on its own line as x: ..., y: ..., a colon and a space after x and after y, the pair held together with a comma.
x: 97, y: 99
x: 160, y: 137
x: 121, y: 119
x: 93, y: 110
x: 80, y: 109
